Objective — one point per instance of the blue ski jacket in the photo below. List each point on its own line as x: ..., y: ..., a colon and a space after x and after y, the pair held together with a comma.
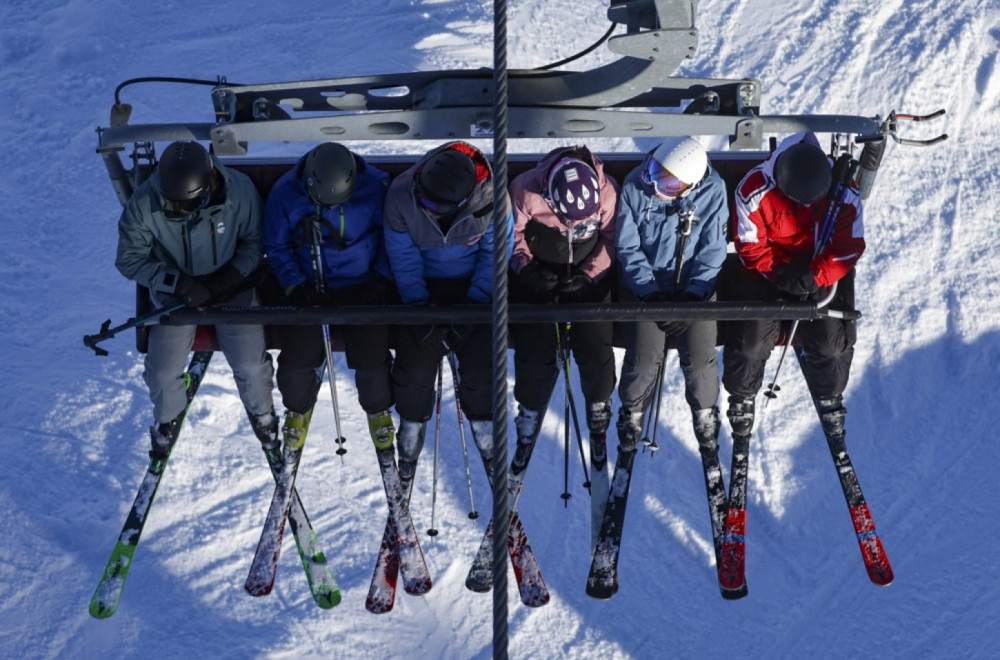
x: 353, y: 249
x: 647, y: 237
x: 418, y: 249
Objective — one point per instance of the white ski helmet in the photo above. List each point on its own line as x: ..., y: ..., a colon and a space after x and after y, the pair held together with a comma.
x: 684, y: 157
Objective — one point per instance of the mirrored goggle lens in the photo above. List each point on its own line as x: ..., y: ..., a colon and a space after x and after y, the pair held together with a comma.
x: 184, y: 206
x: 663, y: 182
x: 435, y: 207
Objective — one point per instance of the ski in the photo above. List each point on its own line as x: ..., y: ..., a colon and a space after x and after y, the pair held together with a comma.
x: 602, y: 582
x: 411, y: 563
x: 264, y: 568
x: 876, y: 561
x: 530, y: 584
x: 732, y: 566
x: 109, y: 590
x: 322, y: 583
x: 382, y: 591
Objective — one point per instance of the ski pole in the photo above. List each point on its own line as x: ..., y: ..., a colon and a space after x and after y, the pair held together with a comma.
x: 91, y: 341
x: 773, y: 387
x: 563, y: 345
x: 317, y: 256
x: 452, y: 362
x: 437, y: 449
x: 652, y: 420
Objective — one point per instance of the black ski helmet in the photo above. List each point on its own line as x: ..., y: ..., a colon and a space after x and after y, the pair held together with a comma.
x: 447, y: 178
x: 185, y: 176
x: 803, y: 173
x: 330, y: 173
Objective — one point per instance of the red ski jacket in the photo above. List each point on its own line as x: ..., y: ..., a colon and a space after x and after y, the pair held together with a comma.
x: 772, y: 230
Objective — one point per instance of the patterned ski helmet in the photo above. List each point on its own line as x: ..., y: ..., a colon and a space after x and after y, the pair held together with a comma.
x: 574, y: 190
x: 803, y: 173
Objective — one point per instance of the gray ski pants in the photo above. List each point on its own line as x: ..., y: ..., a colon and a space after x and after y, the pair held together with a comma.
x: 644, y: 351
x: 243, y: 346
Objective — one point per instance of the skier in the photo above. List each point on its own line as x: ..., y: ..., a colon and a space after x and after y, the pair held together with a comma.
x: 192, y: 231
x: 331, y: 201
x: 671, y: 245
x: 439, y: 237
x: 781, y: 208
x: 564, y: 252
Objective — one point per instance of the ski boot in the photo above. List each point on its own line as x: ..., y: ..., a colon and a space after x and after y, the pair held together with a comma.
x: 265, y: 427
x: 832, y: 415
x: 741, y: 415
x: 295, y: 428
x: 411, y: 442
x: 162, y: 438
x: 482, y: 434
x: 706, y: 430
x: 629, y: 428
x: 527, y: 423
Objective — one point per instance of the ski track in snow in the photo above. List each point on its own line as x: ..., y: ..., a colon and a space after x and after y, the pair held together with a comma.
x: 921, y: 399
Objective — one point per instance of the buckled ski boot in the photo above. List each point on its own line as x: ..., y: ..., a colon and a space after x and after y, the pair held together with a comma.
x: 629, y: 429
x: 527, y: 423
x: 832, y: 415
x: 381, y: 429
x: 741, y: 414
x: 482, y: 434
x: 162, y: 437
x: 410, y: 442
x: 295, y: 428
x: 706, y: 430
x: 598, y: 421
x: 265, y: 427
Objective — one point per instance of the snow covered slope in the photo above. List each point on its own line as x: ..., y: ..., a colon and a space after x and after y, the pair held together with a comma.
x: 922, y: 398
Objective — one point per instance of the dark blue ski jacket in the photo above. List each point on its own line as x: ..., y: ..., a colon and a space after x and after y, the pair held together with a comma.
x: 353, y: 248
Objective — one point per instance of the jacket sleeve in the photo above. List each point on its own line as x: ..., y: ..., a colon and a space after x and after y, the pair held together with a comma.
x: 135, y: 258
x: 604, y: 254
x: 521, y: 253
x: 710, y: 252
x: 846, y: 244
x: 635, y: 267
x: 278, y: 242
x: 405, y: 259
x: 751, y: 237
x: 249, y: 247
x: 481, y: 286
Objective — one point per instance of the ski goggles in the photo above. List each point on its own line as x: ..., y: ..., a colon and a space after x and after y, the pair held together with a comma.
x: 663, y: 182
x: 176, y: 208
x: 438, y: 208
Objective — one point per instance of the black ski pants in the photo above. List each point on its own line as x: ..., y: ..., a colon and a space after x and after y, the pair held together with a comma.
x: 825, y: 353
x: 536, y: 347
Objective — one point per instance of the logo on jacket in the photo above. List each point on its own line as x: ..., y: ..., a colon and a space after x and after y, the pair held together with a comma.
x: 220, y: 227
x: 473, y: 240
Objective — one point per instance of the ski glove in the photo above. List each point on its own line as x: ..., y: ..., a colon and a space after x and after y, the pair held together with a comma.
x: 673, y: 328
x: 538, y: 281
x: 191, y: 292
x: 224, y: 283
x: 797, y: 279
x: 304, y: 295
x: 432, y: 339
x: 576, y: 288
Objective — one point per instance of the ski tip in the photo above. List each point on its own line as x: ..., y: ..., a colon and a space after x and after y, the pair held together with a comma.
x: 257, y: 589
x: 99, y: 610
x: 882, y: 576
x: 602, y: 590
x: 734, y: 594
x: 327, y: 600
x: 378, y: 606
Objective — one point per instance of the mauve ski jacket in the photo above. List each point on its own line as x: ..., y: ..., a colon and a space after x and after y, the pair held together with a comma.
x: 528, y: 193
